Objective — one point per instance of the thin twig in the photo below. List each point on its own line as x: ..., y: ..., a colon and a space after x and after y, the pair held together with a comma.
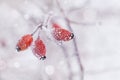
x: 87, y: 2
x: 68, y: 63
x: 81, y: 23
x: 76, y: 51
x: 44, y: 23
x: 39, y: 26
x: 74, y: 42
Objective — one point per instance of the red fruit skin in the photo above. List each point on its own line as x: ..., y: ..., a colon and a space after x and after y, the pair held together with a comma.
x: 39, y: 48
x: 61, y: 34
x: 55, y: 25
x: 24, y: 42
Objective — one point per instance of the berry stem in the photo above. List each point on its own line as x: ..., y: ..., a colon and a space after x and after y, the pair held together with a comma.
x: 45, y: 23
x: 47, y: 19
x: 39, y: 26
x: 39, y: 33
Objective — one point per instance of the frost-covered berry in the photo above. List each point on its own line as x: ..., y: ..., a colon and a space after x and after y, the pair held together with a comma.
x: 61, y: 34
x: 39, y: 49
x: 24, y: 42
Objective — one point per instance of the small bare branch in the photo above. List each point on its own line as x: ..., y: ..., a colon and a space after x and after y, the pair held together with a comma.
x: 74, y: 41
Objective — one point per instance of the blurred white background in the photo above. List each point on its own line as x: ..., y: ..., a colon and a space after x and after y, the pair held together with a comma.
x: 95, y: 23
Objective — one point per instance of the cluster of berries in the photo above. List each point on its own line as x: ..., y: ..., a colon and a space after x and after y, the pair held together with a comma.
x: 39, y: 49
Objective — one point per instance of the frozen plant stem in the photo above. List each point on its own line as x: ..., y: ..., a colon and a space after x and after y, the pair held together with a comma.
x: 67, y: 60
x: 74, y: 41
x: 47, y: 19
x: 39, y: 26
x: 76, y: 51
x: 43, y: 24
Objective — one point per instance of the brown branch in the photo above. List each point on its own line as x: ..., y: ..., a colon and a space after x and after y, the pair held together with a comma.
x: 68, y: 63
x: 74, y: 41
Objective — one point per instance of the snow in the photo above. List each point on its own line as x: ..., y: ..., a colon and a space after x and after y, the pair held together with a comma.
x: 96, y: 29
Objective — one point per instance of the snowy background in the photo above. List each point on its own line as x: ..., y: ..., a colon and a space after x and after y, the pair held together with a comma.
x: 95, y: 23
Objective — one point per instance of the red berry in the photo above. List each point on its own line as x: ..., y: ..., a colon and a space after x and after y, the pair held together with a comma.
x: 24, y: 42
x: 61, y: 34
x: 39, y: 49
